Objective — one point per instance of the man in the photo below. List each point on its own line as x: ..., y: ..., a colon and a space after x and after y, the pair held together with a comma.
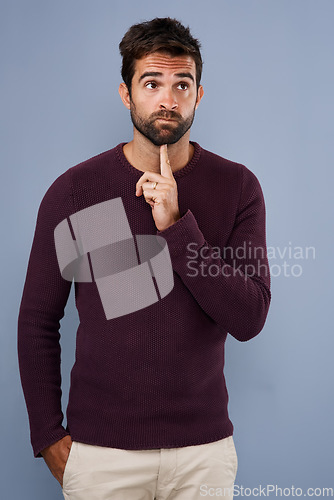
x: 147, y: 415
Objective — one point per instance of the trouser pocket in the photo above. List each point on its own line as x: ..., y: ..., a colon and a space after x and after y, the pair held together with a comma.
x: 68, y: 471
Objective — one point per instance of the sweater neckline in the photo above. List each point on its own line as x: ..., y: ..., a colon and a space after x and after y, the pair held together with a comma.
x: 179, y: 173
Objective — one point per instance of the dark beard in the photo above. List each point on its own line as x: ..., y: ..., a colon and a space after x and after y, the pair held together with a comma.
x: 164, y: 133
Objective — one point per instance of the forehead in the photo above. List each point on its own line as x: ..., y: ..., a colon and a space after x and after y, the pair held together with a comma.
x: 165, y: 63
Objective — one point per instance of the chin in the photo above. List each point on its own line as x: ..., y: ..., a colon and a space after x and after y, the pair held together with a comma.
x: 167, y: 139
x: 161, y: 142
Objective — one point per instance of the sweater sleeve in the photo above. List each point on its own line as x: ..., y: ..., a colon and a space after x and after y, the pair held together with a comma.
x: 43, y: 301
x: 231, y: 284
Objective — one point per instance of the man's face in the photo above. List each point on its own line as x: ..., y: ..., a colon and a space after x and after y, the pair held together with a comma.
x: 164, y: 97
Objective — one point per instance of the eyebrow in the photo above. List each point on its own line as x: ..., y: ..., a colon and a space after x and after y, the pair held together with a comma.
x: 157, y: 74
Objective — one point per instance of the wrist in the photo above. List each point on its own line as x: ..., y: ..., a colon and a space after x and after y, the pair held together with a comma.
x: 170, y: 223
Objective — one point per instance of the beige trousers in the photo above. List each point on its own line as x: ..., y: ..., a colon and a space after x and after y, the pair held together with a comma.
x: 188, y: 473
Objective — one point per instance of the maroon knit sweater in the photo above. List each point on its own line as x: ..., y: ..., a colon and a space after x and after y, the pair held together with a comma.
x: 152, y: 378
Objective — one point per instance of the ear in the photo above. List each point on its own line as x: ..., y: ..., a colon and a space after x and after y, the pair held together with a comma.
x: 124, y: 93
x: 200, y: 94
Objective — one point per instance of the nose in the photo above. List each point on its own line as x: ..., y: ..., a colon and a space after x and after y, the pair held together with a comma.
x: 168, y: 100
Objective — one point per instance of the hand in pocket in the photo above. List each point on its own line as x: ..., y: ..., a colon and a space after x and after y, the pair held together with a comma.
x: 56, y: 456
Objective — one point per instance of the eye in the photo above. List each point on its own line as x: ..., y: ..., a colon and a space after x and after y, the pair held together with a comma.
x: 151, y: 85
x: 183, y: 85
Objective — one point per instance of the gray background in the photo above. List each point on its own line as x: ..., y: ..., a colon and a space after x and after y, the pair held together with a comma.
x: 268, y: 80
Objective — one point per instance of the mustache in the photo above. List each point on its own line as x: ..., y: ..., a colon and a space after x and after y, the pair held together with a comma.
x: 168, y: 115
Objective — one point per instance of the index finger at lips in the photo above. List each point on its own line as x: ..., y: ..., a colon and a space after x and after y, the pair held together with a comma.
x: 165, y: 167
x: 147, y: 176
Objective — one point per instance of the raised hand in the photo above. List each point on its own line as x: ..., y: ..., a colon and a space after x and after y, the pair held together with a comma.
x: 160, y: 192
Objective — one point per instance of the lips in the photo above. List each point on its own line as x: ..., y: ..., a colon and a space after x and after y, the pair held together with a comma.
x: 166, y: 119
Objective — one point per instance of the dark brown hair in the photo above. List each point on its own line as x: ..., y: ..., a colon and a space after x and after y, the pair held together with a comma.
x: 158, y: 35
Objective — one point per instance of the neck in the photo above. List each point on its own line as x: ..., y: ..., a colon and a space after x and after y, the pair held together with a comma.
x: 144, y: 155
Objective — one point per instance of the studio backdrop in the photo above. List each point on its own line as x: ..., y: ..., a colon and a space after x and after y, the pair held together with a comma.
x: 268, y: 79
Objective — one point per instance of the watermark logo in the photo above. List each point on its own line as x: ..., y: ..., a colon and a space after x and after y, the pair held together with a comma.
x: 247, y: 260
x: 268, y: 490
x: 96, y: 245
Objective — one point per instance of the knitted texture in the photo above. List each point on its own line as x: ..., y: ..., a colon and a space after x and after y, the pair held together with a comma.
x: 152, y: 378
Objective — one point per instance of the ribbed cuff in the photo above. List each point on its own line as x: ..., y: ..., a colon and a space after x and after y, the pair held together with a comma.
x: 48, y: 440
x: 183, y: 232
